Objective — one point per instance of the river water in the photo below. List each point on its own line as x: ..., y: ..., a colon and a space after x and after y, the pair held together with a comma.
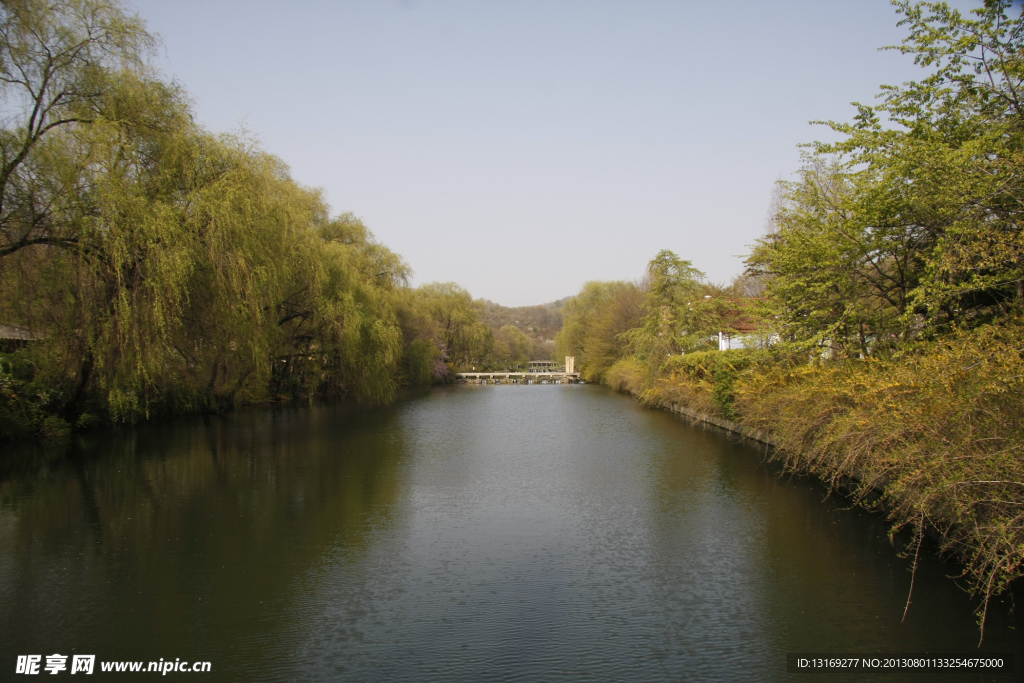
x: 533, y: 533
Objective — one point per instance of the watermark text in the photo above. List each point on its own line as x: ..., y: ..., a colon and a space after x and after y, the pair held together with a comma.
x: 56, y: 663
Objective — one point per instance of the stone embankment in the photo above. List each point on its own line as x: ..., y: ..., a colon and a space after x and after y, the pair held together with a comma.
x: 728, y: 425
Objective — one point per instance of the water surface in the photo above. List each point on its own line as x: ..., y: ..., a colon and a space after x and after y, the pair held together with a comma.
x: 534, y: 533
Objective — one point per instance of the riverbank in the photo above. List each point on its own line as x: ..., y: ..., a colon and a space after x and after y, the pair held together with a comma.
x: 934, y: 436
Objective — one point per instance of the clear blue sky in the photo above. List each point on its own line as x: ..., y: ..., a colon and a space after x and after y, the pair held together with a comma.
x: 521, y: 148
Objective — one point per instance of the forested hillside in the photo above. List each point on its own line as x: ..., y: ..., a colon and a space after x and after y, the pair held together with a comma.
x: 527, y: 331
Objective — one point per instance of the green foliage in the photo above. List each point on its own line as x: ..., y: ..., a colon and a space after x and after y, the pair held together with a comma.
x: 595, y: 321
x: 909, y: 226
x: 461, y: 338
x: 419, y: 361
x: 61, y: 65
x: 515, y: 346
x: 26, y: 405
x: 673, y: 280
x: 900, y: 245
x: 159, y: 267
x: 834, y: 281
x: 705, y: 380
x: 939, y: 429
x: 683, y: 313
x: 20, y: 412
x: 676, y: 313
x: 629, y: 375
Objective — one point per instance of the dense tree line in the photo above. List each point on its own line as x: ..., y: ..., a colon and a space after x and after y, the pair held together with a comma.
x: 672, y: 310
x: 148, y: 265
x: 905, y: 231
x: 521, y: 333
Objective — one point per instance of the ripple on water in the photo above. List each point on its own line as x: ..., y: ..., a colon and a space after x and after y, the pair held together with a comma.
x: 474, y: 533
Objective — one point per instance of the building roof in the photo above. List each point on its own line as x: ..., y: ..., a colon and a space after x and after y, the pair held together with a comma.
x: 742, y: 317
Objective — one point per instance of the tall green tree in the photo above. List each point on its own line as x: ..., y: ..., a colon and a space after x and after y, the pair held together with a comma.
x: 516, y: 347
x: 59, y: 62
x: 462, y: 339
x: 681, y: 313
x: 835, y: 279
x: 161, y: 267
x: 918, y: 226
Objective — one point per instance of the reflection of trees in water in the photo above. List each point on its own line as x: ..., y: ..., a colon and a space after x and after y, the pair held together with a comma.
x: 194, y: 527
x: 798, y: 566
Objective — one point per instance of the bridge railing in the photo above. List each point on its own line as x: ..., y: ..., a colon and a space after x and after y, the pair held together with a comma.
x: 518, y: 375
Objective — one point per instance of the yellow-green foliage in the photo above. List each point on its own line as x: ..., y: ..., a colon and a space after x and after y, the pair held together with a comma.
x: 939, y: 429
x: 511, y: 346
x: 628, y: 374
x: 897, y: 260
x: 704, y: 380
x: 594, y: 322
x: 681, y: 313
x: 448, y: 316
x: 157, y: 266
x: 908, y: 226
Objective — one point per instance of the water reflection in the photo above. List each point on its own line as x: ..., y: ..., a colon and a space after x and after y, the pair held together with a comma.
x: 535, y: 533
x: 184, y: 540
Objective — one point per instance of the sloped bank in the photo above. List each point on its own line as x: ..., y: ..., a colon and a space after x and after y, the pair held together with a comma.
x: 933, y: 437
x: 696, y: 416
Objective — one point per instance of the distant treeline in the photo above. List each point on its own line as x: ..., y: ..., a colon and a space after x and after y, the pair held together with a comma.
x: 883, y: 304
x: 539, y: 324
x: 149, y: 266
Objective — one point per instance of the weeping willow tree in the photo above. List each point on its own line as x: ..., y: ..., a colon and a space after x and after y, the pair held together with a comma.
x: 449, y: 335
x: 153, y: 265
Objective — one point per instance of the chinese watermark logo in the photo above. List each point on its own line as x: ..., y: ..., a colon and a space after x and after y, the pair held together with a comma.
x: 33, y: 665
x: 55, y: 663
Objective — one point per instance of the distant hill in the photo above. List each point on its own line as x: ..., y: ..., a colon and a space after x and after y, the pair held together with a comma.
x: 540, y: 323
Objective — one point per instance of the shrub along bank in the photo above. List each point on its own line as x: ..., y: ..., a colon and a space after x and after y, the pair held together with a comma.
x: 937, y: 429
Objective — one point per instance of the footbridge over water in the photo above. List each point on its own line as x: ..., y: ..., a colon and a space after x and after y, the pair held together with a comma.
x: 548, y: 375
x: 518, y: 377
